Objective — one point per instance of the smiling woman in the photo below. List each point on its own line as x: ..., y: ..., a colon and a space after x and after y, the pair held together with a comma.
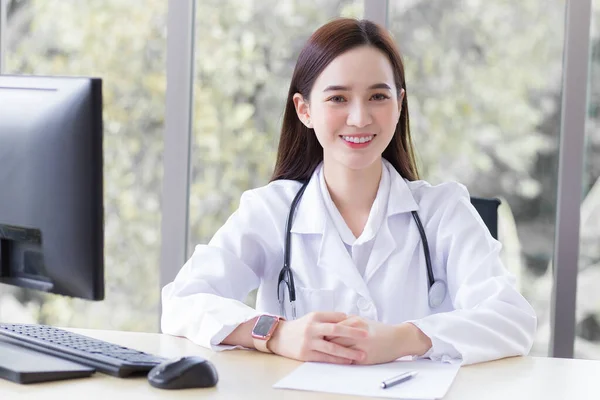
x: 345, y: 181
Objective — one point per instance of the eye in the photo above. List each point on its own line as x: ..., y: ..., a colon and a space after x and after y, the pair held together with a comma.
x: 337, y: 99
x: 379, y: 97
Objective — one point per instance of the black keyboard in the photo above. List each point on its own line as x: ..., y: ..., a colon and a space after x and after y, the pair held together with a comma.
x: 106, y: 357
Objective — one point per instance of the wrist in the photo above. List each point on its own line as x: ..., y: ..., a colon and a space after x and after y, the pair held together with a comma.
x: 413, y: 342
x: 273, y: 343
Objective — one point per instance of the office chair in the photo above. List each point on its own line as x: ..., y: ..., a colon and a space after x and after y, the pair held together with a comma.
x: 488, y: 210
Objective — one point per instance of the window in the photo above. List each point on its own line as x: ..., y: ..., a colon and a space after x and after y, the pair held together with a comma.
x: 484, y: 91
x: 587, y: 331
x: 124, y: 43
x: 245, y: 55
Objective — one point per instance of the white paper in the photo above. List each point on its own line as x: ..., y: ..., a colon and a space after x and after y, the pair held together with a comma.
x: 432, y: 382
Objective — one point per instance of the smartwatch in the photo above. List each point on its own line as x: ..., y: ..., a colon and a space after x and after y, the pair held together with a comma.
x: 263, y: 330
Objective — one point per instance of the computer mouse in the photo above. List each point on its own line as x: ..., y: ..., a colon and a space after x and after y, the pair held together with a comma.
x: 183, y: 373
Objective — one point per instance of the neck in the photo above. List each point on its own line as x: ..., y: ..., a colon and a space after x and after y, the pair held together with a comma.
x: 352, y: 190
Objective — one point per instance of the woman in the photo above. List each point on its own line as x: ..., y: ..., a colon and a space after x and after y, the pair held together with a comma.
x: 356, y: 251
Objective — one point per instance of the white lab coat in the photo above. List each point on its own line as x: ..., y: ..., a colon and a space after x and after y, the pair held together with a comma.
x: 482, y: 318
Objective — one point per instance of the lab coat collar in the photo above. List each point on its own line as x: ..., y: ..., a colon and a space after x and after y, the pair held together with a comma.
x: 401, y: 199
x: 311, y: 213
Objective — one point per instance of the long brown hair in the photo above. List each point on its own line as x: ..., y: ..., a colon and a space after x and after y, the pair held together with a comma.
x: 299, y: 151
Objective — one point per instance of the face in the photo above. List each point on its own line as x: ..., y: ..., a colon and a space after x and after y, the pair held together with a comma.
x: 353, y: 108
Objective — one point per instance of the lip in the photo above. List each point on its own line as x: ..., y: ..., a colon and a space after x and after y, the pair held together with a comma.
x: 358, y: 145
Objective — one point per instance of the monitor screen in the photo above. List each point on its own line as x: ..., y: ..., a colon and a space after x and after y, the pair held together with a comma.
x: 51, y: 190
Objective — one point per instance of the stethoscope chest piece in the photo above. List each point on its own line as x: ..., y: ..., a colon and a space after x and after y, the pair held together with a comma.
x: 437, y: 293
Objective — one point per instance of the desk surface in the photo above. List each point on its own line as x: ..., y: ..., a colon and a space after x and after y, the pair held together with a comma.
x: 245, y: 374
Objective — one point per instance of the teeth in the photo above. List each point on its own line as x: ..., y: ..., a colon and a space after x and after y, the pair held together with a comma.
x: 363, y: 139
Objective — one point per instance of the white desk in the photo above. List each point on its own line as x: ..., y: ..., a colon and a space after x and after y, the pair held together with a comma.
x: 245, y: 374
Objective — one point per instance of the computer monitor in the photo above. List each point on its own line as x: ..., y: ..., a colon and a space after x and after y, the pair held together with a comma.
x: 51, y: 191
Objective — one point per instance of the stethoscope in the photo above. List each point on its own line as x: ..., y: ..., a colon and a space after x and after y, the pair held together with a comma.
x: 437, y: 288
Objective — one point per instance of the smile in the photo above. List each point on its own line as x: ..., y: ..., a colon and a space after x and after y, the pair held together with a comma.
x: 358, y: 139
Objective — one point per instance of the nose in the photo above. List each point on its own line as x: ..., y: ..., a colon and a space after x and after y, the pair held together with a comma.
x: 359, y: 115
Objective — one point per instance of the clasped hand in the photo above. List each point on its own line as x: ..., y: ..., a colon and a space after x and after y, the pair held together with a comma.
x: 337, y: 338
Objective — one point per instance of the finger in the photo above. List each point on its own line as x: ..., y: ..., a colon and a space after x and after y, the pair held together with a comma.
x: 326, y: 316
x: 337, y: 330
x: 343, y: 341
x: 317, y: 356
x: 333, y: 349
x: 355, y: 321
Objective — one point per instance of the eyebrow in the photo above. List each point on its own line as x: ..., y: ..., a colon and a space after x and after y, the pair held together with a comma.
x: 346, y: 88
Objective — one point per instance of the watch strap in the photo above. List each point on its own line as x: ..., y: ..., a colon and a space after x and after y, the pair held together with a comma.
x: 261, y: 345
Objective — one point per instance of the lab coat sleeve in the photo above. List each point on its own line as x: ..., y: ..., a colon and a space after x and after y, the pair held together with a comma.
x: 491, y: 319
x: 205, y: 301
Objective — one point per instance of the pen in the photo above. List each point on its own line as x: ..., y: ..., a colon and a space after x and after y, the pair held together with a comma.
x: 398, y: 379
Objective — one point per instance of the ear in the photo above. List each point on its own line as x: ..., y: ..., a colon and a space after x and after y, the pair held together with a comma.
x: 302, y: 109
x: 400, y: 100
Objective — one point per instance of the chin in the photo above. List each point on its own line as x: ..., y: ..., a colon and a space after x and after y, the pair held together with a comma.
x: 360, y: 163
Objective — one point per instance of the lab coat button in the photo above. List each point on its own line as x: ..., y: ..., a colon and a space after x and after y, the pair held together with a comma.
x: 363, y: 304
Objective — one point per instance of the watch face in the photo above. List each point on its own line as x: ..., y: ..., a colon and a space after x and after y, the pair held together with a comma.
x: 263, y: 325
